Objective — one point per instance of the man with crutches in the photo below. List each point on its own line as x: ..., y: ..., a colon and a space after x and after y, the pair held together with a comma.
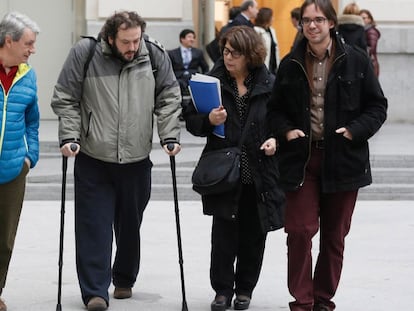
x: 108, y: 112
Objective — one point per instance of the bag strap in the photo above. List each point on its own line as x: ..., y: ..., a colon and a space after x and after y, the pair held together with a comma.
x: 94, y: 41
x: 90, y: 55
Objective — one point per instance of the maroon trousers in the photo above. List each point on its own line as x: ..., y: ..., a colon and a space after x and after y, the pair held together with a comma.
x: 309, y: 210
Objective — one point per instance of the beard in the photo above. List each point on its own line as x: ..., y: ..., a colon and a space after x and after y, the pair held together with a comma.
x: 119, y: 55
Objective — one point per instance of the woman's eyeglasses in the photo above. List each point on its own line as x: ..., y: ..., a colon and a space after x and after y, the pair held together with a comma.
x: 234, y: 53
x: 306, y: 21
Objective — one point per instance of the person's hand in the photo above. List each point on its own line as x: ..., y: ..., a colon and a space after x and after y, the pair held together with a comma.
x: 70, y: 149
x: 27, y: 160
x: 217, y: 116
x: 269, y: 146
x: 172, y: 151
x: 345, y: 132
x: 293, y: 134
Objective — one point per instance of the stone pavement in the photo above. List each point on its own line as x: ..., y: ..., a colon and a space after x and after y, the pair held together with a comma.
x: 377, y: 276
x: 378, y: 267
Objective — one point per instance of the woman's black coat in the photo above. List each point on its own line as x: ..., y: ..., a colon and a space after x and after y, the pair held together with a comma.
x: 270, y: 198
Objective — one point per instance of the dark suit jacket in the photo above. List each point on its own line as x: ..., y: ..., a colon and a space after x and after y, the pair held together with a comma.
x: 197, y: 64
x: 240, y: 20
x: 213, y: 48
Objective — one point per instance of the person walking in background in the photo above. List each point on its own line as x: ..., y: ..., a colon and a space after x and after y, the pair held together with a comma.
x: 326, y: 103
x: 187, y: 60
x: 233, y: 12
x: 295, y: 19
x: 263, y: 26
x: 241, y: 16
x: 108, y: 112
x: 248, y: 11
x: 351, y: 26
x: 372, y: 36
x: 241, y: 217
x: 19, y: 127
x: 213, y: 49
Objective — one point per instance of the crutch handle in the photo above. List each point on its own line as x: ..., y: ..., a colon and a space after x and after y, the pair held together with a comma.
x: 170, y: 146
x: 73, y: 147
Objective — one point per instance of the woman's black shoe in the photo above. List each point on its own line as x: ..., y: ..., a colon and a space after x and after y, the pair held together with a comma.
x: 220, y: 303
x: 241, y: 302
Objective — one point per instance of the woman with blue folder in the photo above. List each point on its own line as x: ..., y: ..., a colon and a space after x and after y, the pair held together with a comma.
x: 243, y: 216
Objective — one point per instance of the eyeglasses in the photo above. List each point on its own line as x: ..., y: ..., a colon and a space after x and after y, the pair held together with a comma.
x: 317, y: 20
x: 234, y: 53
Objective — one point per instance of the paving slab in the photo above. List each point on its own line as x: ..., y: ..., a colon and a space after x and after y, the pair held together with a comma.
x: 377, y: 276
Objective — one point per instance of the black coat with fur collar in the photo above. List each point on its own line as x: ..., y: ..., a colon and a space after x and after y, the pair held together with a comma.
x: 351, y: 29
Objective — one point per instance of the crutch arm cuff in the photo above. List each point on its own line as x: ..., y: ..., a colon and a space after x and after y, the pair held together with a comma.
x: 69, y: 140
x: 169, y: 141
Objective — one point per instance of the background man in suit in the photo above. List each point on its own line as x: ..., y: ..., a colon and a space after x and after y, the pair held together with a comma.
x: 213, y: 49
x: 187, y: 60
x: 249, y: 10
x: 238, y: 16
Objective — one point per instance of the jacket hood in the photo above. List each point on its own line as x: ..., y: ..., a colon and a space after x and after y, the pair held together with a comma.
x: 350, y: 19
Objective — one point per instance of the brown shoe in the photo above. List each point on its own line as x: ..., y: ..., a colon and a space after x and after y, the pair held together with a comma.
x: 3, y: 306
x: 97, y: 304
x: 122, y: 292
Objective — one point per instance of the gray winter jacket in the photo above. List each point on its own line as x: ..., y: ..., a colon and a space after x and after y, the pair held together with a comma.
x: 110, y: 110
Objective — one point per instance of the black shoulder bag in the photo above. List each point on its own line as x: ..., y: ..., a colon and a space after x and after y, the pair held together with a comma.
x: 218, y: 171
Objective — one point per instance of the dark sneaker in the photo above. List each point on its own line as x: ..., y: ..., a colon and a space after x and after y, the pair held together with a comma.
x: 220, y: 303
x: 122, y: 292
x: 241, y: 302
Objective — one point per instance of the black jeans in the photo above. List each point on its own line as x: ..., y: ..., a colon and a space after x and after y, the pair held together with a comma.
x: 108, y: 195
x: 240, y: 240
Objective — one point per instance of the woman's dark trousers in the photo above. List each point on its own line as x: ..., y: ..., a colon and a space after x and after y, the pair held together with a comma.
x: 242, y: 240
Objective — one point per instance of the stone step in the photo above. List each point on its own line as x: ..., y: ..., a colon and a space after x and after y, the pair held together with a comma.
x: 392, y: 161
x: 388, y: 192
x: 393, y: 179
x: 393, y: 175
x: 377, y: 161
x: 52, y: 191
x: 159, y: 176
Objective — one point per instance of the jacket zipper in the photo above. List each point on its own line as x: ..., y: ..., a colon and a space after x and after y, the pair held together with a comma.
x: 310, y: 125
x: 3, y: 121
x: 6, y: 96
x: 310, y: 135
